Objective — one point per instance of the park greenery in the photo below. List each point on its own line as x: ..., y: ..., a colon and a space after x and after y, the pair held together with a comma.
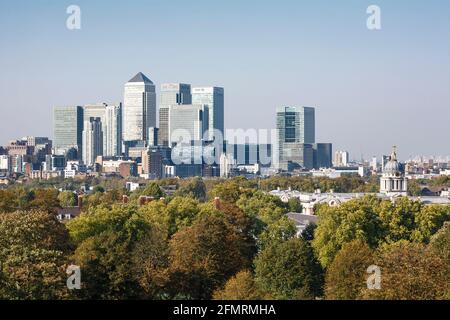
x: 186, y: 245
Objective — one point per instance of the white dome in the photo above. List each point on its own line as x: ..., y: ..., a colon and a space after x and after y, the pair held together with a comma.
x: 392, y: 166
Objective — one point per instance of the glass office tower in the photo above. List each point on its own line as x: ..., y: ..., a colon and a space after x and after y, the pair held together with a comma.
x: 295, y: 137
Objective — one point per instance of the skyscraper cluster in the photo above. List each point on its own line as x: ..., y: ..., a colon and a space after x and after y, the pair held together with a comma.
x: 180, y: 134
x: 137, y: 129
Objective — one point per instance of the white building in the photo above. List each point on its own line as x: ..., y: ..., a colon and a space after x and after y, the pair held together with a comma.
x: 111, y: 119
x: 213, y: 99
x: 5, y: 163
x: 393, y: 181
x: 139, y: 108
x: 92, y: 140
x: 341, y: 159
x: 226, y: 164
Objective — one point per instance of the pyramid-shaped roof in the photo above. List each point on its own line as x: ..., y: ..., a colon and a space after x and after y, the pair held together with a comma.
x: 140, y: 77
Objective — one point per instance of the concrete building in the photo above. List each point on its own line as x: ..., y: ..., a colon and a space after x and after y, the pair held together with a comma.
x: 213, y: 99
x: 67, y: 129
x: 139, y: 108
x: 111, y: 119
x: 295, y: 137
x: 341, y: 158
x: 92, y: 140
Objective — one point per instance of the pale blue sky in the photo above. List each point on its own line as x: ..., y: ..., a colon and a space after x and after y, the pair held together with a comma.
x: 372, y: 89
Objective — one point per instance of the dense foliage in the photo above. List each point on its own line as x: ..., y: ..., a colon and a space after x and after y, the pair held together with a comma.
x: 186, y: 245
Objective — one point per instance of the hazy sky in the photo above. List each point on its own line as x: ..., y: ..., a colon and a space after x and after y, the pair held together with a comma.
x: 372, y: 89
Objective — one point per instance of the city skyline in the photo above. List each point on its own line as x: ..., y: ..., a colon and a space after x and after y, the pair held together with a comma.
x: 367, y: 95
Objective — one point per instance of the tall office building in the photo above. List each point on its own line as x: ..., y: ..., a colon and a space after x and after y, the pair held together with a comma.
x: 323, y: 155
x: 139, y: 108
x: 92, y: 140
x: 113, y: 125
x: 171, y: 94
x: 295, y: 137
x: 213, y: 98
x: 111, y: 119
x: 187, y: 123
x: 67, y: 129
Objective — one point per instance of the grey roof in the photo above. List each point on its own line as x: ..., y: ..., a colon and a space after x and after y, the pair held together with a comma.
x: 140, y: 77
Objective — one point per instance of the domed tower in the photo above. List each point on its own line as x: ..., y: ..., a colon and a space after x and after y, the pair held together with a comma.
x: 393, y: 181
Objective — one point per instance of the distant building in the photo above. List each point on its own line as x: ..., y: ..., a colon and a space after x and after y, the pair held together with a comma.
x: 153, y: 160
x: 171, y: 94
x: 341, y: 159
x: 111, y: 119
x: 213, y: 99
x: 323, y: 154
x: 92, y: 140
x: 67, y: 129
x: 187, y: 123
x: 393, y: 181
x: 296, y: 136
x: 139, y: 108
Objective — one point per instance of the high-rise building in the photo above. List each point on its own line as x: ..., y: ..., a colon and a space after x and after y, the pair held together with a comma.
x: 111, y: 119
x: 323, y: 155
x: 187, y: 123
x: 67, y: 129
x: 171, y: 94
x: 139, y: 108
x: 92, y: 140
x: 213, y: 98
x: 113, y: 128
x: 341, y: 159
x: 296, y: 136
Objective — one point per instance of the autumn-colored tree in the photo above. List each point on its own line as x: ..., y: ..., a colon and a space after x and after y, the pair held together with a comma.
x: 440, y: 242
x: 289, y: 270
x: 410, y: 271
x: 242, y: 286
x: 33, y: 256
x: 67, y: 199
x: 346, y: 276
x: 203, y: 257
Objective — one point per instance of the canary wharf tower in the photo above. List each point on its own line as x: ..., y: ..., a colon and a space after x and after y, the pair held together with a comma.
x: 139, y: 108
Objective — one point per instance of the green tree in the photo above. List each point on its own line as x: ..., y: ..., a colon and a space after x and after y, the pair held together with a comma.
x: 289, y: 270
x: 152, y: 190
x: 355, y: 219
x: 429, y: 220
x: 67, y: 199
x: 398, y: 218
x: 193, y: 188
x: 295, y: 205
x: 108, y: 240
x: 346, y: 276
x: 440, y: 242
